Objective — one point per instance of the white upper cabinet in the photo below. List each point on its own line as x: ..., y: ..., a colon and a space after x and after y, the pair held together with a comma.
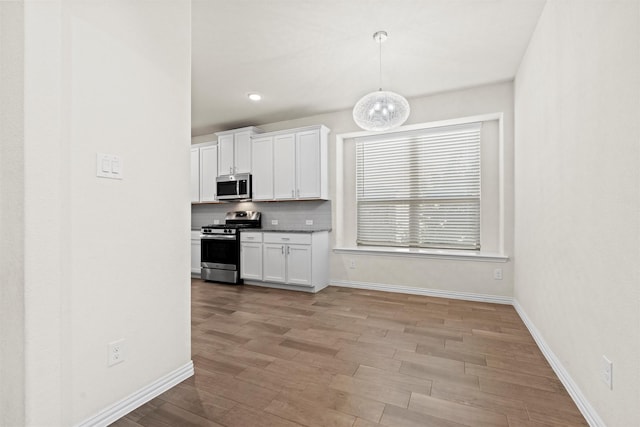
x: 204, y: 170
x: 208, y: 173
x: 195, y: 175
x: 225, y: 152
x: 262, y: 162
x: 308, y: 164
x: 242, y: 153
x: 298, y: 168
x: 235, y: 150
x: 284, y: 166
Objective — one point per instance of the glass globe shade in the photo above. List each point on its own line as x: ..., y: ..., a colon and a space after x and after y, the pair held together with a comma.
x: 381, y: 110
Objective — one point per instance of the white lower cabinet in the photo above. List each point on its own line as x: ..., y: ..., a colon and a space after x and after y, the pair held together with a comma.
x: 195, y: 253
x: 299, y: 265
x: 251, y: 255
x: 288, y: 259
x: 275, y: 262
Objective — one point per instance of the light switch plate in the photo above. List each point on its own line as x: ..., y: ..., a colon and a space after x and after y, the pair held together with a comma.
x: 309, y: 222
x: 109, y: 166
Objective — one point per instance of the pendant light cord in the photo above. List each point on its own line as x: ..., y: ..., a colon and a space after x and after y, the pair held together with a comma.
x: 380, y: 56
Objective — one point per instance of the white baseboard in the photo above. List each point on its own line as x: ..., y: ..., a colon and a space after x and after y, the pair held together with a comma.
x: 312, y: 289
x: 139, y: 398
x: 574, y: 391
x: 467, y: 296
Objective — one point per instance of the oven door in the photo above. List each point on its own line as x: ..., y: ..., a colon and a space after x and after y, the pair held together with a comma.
x: 219, y: 251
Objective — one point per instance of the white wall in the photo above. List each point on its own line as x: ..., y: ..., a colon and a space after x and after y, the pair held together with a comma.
x: 468, y: 277
x: 577, y: 277
x: 103, y: 259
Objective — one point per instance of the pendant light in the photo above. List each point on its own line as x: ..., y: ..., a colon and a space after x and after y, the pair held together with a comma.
x: 381, y: 110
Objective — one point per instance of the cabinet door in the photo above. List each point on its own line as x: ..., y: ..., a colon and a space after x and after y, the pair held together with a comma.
x: 195, y: 175
x: 226, y: 148
x: 299, y: 265
x: 284, y: 161
x: 195, y: 256
x: 308, y: 164
x: 242, y: 152
x: 208, y: 173
x: 262, y: 162
x: 251, y: 261
x: 273, y: 262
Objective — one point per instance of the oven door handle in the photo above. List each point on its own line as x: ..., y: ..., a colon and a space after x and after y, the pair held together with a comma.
x: 218, y: 237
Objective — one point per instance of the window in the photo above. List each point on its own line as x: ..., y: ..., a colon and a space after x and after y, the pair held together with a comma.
x: 420, y: 188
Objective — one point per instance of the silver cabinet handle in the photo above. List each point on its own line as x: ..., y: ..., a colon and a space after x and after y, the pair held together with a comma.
x: 282, y: 248
x: 285, y: 238
x: 293, y: 193
x: 298, y: 193
x: 288, y: 250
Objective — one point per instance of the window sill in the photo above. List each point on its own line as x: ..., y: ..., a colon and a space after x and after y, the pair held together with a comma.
x: 451, y: 254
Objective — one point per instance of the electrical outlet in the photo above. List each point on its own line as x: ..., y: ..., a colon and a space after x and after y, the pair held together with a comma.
x: 309, y: 222
x: 497, y: 274
x: 352, y: 264
x: 274, y: 222
x: 216, y: 221
x: 116, y: 352
x: 607, y: 372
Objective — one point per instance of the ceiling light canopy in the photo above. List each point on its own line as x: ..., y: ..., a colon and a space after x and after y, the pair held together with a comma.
x: 381, y: 110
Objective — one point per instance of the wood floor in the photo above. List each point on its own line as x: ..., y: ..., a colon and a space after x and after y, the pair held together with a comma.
x: 347, y: 357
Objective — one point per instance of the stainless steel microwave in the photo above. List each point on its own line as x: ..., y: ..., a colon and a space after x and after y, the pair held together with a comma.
x: 234, y: 187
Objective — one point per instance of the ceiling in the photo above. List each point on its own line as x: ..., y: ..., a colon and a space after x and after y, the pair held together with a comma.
x: 308, y: 57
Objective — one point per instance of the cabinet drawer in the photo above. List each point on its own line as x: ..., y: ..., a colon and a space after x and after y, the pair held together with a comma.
x: 248, y: 236
x: 294, y: 238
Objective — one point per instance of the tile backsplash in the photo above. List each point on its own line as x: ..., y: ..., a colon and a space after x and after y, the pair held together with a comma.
x: 292, y: 215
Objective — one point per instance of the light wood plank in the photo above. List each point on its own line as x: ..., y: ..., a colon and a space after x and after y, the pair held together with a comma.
x: 354, y: 357
x: 456, y: 412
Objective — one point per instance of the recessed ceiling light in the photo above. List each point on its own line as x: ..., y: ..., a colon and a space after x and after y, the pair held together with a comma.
x: 255, y: 96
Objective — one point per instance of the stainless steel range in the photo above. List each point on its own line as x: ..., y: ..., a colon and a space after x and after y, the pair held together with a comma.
x: 220, y: 253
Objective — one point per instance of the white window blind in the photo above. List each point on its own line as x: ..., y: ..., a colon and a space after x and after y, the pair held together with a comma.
x: 420, y: 189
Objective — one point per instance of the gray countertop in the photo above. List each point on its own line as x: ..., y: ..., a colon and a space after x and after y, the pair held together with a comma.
x: 291, y: 230
x: 281, y: 230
